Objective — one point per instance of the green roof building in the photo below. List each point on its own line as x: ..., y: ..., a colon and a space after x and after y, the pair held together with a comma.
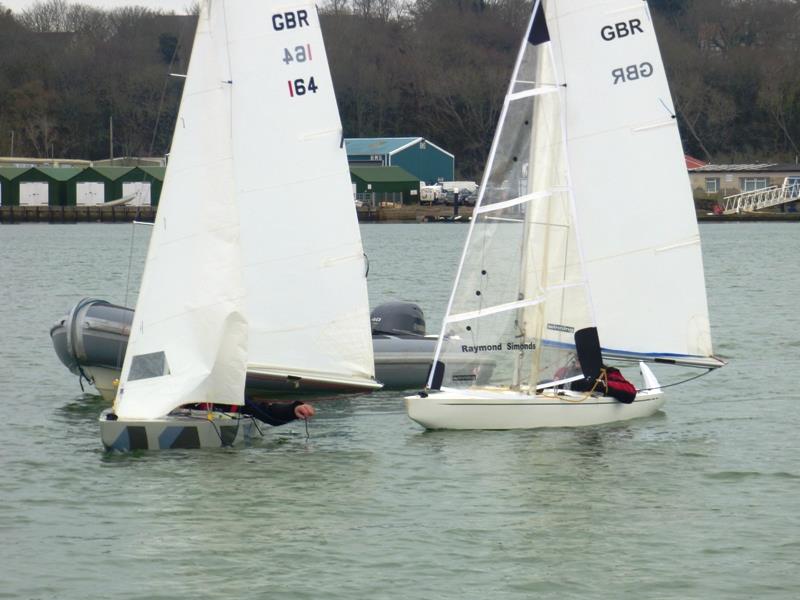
x: 46, y: 185
x: 96, y: 185
x: 385, y: 182
x: 145, y: 182
x: 9, y: 185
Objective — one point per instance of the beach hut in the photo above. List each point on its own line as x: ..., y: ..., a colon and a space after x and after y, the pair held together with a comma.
x: 9, y: 185
x: 144, y: 183
x: 95, y: 185
x: 41, y: 186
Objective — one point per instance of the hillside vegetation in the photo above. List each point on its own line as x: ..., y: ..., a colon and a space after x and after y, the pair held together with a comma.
x: 435, y: 68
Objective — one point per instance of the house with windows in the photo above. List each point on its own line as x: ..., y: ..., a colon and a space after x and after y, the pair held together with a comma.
x: 720, y: 181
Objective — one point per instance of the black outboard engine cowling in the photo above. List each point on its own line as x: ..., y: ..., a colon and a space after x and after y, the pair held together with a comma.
x: 398, y: 318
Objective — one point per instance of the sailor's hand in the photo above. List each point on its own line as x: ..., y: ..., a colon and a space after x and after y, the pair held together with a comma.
x: 304, y: 411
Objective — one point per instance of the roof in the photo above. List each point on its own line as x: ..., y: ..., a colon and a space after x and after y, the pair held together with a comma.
x: 383, y: 174
x: 59, y: 173
x: 384, y: 146
x: 377, y: 145
x: 10, y: 173
x: 112, y: 173
x: 748, y: 168
x: 155, y: 172
x: 693, y: 163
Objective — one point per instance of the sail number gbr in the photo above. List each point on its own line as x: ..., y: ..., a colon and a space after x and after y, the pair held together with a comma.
x: 298, y: 54
x: 617, y: 31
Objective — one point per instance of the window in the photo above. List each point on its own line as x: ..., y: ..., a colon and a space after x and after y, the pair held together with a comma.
x: 146, y: 366
x: 793, y: 186
x: 712, y: 185
x: 751, y: 184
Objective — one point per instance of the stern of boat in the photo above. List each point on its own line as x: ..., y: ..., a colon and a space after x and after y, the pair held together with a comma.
x: 185, y: 429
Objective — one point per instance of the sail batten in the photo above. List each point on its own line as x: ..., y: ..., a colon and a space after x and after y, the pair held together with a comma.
x: 537, y: 91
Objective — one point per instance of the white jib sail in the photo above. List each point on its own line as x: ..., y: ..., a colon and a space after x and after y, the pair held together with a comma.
x: 520, y: 293
x: 305, y: 269
x: 188, y: 340
x: 633, y: 198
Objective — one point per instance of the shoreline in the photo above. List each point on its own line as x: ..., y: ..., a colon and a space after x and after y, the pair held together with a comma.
x: 404, y: 214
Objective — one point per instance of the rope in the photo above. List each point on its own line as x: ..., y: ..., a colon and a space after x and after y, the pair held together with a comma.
x: 661, y: 387
x: 603, y: 377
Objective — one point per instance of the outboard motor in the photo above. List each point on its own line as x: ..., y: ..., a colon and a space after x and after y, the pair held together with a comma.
x: 398, y: 318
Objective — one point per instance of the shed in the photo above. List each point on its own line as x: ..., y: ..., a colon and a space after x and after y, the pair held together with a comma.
x: 45, y: 185
x: 144, y: 182
x: 95, y: 185
x: 386, y: 182
x: 418, y: 156
x: 9, y: 185
x: 108, y: 176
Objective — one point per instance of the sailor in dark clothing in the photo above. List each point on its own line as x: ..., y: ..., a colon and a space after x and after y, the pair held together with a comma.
x: 271, y: 413
x: 277, y: 413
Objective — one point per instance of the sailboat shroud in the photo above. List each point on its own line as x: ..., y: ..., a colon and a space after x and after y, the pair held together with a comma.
x: 237, y: 275
x: 559, y: 242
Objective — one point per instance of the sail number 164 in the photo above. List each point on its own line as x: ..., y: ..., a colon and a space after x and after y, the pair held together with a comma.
x: 297, y: 54
x: 299, y: 87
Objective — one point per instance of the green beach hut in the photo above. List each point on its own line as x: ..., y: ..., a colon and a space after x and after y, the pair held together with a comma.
x: 9, y: 185
x: 143, y: 182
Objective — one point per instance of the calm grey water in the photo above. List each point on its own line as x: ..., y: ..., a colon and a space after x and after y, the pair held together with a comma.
x: 700, y: 501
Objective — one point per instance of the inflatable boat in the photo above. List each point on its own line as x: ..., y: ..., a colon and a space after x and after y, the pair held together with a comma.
x: 91, y: 339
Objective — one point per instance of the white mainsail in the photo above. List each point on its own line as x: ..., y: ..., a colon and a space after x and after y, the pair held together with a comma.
x: 304, y: 265
x: 638, y: 229
x: 588, y: 101
x: 520, y: 293
x: 255, y: 261
x: 188, y: 340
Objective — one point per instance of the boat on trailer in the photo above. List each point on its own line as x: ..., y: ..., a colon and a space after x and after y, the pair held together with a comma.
x: 237, y: 279
x: 560, y: 255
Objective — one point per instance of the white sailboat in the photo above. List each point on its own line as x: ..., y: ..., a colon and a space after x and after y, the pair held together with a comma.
x: 255, y: 261
x: 561, y: 244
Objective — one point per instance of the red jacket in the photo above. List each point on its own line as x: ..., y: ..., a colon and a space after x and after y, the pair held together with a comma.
x: 618, y: 387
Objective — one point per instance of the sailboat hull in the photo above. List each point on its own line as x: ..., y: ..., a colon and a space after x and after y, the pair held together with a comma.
x: 187, y: 430
x: 499, y: 409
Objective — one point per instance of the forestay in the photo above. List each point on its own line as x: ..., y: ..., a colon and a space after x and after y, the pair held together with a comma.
x: 304, y: 266
x: 520, y: 293
x: 633, y: 199
x: 189, y: 336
